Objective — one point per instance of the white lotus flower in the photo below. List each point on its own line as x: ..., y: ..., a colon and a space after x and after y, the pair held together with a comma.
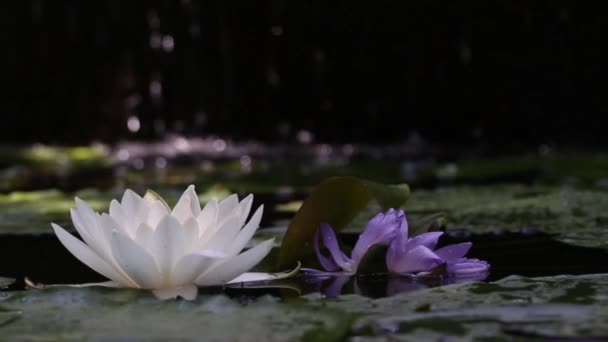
x: 144, y: 244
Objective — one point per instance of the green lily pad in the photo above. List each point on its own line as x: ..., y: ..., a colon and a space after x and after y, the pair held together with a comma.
x: 586, y: 170
x: 31, y: 212
x: 55, y: 157
x: 41, y: 166
x: 560, y: 307
x: 575, y: 216
x: 267, y: 176
x: 336, y: 201
x: 4, y: 282
x: 551, y: 307
x: 76, y: 314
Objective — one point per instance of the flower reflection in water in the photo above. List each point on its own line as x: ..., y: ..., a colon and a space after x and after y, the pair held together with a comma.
x: 380, y: 285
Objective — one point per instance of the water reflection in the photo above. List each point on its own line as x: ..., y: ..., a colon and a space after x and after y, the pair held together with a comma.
x: 334, y: 286
x: 379, y: 285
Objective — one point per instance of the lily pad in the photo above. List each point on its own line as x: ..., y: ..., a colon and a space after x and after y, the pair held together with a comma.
x: 551, y: 307
x: 580, y: 169
x: 76, y: 314
x: 4, y: 282
x: 561, y: 307
x: 31, y: 212
x: 40, y: 166
x: 575, y: 216
x: 337, y: 201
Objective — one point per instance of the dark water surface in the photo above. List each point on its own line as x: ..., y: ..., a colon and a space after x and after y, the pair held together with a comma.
x: 43, y: 259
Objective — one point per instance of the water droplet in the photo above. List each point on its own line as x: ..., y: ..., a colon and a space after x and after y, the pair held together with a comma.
x: 123, y: 155
x: 182, y: 144
x: 168, y: 43
x: 133, y: 124
x: 156, y: 88
x: 304, y: 137
x: 219, y: 145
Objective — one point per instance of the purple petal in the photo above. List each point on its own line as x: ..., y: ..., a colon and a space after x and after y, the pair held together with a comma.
x: 419, y: 259
x: 404, y: 227
x: 396, y: 251
x: 382, y: 229
x: 331, y: 243
x: 428, y: 240
x: 453, y: 252
x: 464, y: 266
x: 326, y: 262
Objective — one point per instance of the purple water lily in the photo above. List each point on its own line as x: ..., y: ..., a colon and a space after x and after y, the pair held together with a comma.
x: 405, y: 255
x: 380, y: 230
x: 418, y: 254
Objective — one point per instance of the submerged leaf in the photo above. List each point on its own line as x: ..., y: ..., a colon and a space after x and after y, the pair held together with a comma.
x: 336, y: 201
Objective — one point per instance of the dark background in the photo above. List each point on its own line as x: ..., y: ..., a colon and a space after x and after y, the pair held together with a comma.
x: 344, y: 70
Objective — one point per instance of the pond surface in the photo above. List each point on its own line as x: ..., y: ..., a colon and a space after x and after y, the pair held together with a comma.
x: 540, y: 223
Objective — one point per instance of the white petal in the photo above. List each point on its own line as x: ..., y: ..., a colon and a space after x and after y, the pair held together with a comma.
x: 119, y: 215
x: 252, y: 276
x: 187, y: 292
x: 245, y: 206
x: 166, y: 244
x: 111, y: 283
x: 227, y: 206
x: 224, y: 235
x: 190, y: 235
x: 88, y: 215
x: 187, y: 206
x: 135, y: 261
x: 158, y: 210
x: 83, y: 253
x: 190, y: 266
x: 135, y: 209
x: 95, y: 235
x: 207, y: 218
x: 143, y: 236
x: 106, y: 225
x: 237, y: 245
x: 235, y: 266
x: 81, y: 228
x: 130, y: 202
x: 152, y: 197
x: 263, y: 276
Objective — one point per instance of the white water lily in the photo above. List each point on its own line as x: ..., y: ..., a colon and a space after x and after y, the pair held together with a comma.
x: 144, y: 244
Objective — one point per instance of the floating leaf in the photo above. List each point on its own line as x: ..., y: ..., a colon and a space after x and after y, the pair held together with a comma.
x: 4, y: 282
x: 83, y: 314
x: 337, y: 201
x: 574, y: 216
x: 565, y: 307
x: 264, y: 277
